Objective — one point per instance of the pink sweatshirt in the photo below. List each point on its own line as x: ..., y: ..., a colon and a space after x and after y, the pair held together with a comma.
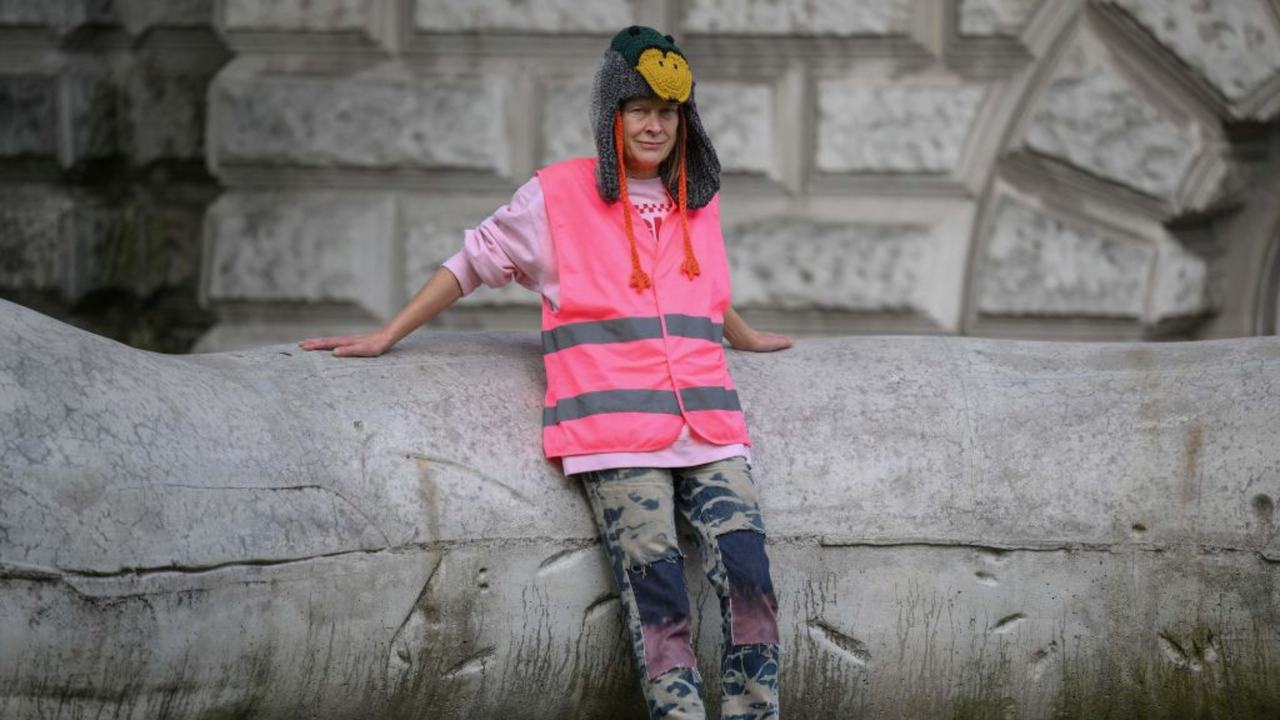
x: 515, y: 243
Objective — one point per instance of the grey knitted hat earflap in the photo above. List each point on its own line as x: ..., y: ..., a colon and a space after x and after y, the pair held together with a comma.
x: 638, y: 63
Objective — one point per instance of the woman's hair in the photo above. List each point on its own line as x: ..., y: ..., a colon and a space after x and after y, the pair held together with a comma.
x: 669, y: 169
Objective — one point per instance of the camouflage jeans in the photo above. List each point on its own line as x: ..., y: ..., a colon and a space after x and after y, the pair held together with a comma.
x: 635, y: 511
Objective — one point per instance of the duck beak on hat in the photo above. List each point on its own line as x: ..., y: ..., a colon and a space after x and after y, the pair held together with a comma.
x: 667, y: 73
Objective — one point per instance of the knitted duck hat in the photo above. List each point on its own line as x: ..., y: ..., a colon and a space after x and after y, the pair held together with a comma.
x: 641, y: 62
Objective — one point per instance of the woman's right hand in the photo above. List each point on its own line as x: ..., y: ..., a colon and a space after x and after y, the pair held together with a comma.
x: 370, y: 344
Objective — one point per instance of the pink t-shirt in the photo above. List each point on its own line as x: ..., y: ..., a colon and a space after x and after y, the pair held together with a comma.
x: 515, y: 243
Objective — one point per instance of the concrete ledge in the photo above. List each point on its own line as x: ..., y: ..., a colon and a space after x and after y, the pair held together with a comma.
x: 957, y: 526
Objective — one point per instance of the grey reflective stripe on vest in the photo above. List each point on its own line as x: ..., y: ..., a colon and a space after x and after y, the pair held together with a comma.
x: 599, y: 332
x: 710, y: 398
x: 693, y: 326
x: 660, y: 402
x: 611, y: 401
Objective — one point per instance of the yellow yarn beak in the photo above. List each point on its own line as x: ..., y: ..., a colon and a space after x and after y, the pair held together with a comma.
x: 667, y: 73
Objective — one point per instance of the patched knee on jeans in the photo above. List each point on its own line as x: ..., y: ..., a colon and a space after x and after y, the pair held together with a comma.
x: 753, y: 606
x: 663, y: 605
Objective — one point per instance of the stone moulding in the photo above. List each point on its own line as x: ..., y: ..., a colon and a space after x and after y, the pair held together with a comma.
x: 1048, y: 527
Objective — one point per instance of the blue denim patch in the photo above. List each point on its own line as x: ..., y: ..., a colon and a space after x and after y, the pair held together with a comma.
x: 659, y: 589
x: 742, y: 552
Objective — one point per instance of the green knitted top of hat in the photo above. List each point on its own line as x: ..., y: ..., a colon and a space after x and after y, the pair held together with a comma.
x: 634, y: 40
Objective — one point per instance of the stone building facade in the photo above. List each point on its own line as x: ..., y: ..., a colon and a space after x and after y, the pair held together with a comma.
x: 103, y: 182
x: 1101, y: 169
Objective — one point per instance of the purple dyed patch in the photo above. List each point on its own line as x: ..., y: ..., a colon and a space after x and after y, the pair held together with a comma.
x: 753, y: 608
x: 663, y: 604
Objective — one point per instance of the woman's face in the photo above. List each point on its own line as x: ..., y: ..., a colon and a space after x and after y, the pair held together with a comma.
x: 649, y: 127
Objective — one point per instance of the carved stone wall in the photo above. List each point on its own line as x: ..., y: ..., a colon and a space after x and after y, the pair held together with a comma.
x: 1078, y: 168
x: 1007, y: 167
x: 103, y: 183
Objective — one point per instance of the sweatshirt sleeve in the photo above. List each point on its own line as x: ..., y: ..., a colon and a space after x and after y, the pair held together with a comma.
x: 512, y: 243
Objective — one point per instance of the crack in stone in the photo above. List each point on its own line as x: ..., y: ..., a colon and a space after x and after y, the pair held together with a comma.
x: 422, y: 457
x: 37, y: 572
x: 273, y: 488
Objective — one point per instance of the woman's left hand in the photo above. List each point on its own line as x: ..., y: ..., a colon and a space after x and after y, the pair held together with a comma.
x: 742, y: 336
x: 760, y: 341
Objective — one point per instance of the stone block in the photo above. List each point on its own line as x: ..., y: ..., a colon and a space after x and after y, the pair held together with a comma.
x: 1037, y: 263
x: 28, y: 12
x: 140, y: 15
x: 1181, y: 283
x: 893, y: 128
x: 550, y: 16
x: 298, y: 15
x: 365, y: 121
x: 566, y: 129
x: 1233, y: 44
x: 53, y: 241
x: 28, y: 116
x: 305, y: 247
x: 57, y: 15
x: 435, y: 230
x: 35, y: 223
x: 799, y: 17
x: 795, y: 264
x: 1092, y: 117
x: 166, y: 115
x: 739, y: 118
x: 90, y: 105
x: 986, y: 18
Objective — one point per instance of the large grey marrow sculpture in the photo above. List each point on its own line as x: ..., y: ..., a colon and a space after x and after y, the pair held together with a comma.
x: 956, y: 525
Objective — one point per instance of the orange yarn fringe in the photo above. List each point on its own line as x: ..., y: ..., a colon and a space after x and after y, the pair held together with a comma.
x: 690, y: 265
x: 639, y: 278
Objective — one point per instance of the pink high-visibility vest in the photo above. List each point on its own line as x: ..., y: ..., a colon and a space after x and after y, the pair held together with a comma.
x: 627, y: 368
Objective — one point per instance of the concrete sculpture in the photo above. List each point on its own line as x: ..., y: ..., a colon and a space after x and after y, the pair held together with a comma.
x: 960, y: 528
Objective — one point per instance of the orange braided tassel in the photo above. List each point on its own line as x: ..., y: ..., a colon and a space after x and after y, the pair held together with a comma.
x: 639, y: 278
x: 690, y: 265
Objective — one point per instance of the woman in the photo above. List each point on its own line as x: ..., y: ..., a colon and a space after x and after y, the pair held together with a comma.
x: 627, y: 253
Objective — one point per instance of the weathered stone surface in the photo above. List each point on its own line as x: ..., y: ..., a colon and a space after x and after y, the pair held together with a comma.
x: 52, y: 240
x: 297, y: 15
x: 140, y: 15
x: 58, y: 15
x: 302, y: 247
x: 34, y: 226
x: 994, y: 17
x: 435, y: 230
x: 1181, y: 283
x: 893, y: 128
x: 279, y: 534
x: 1234, y: 44
x: 799, y: 17
x: 1093, y: 118
x: 603, y: 16
x: 365, y: 121
x: 91, y: 107
x: 739, y: 118
x: 800, y: 264
x: 28, y: 107
x: 1036, y: 263
x: 566, y: 129
x: 26, y: 12
x: 166, y: 115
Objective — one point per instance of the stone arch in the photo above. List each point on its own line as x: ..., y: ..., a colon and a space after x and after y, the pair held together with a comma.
x: 1121, y: 137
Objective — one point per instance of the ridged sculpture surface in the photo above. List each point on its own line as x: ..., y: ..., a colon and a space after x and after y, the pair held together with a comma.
x: 958, y: 528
